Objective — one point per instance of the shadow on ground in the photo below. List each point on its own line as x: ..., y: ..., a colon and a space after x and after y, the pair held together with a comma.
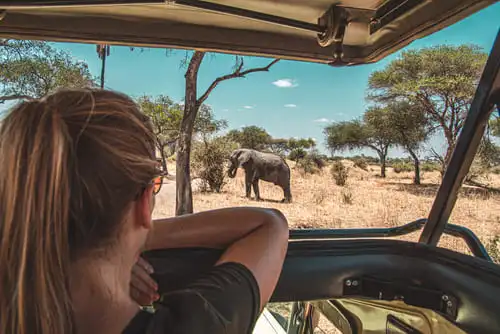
x: 430, y: 190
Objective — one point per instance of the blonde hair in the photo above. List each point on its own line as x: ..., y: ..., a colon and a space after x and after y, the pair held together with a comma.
x: 70, y: 164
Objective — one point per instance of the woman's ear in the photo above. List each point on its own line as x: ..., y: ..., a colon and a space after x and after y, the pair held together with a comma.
x: 144, y: 208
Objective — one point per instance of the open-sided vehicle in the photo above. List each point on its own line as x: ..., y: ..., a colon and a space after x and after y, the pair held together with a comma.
x: 358, y: 280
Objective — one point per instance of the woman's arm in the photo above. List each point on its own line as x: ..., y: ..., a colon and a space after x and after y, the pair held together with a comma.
x: 254, y: 237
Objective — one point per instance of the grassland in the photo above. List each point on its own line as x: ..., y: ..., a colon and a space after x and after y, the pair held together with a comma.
x: 366, y: 201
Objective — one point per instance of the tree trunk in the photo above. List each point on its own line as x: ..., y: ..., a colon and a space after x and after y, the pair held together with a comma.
x: 184, y: 194
x: 416, y: 163
x: 164, y: 160
x: 383, y: 165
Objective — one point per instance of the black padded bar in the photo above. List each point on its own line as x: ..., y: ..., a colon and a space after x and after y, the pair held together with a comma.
x: 466, y: 147
x: 472, y: 241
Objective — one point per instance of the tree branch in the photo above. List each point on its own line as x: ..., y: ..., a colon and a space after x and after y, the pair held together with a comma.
x: 5, y: 98
x: 238, y: 73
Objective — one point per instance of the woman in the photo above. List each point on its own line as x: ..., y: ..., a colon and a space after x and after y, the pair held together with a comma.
x: 76, y: 197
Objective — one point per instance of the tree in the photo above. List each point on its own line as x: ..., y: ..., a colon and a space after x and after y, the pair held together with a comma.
x: 370, y: 132
x: 32, y: 69
x: 494, y: 126
x: 409, y: 127
x: 192, y: 104
x: 278, y: 146
x: 441, y: 80
x: 252, y: 137
x: 166, y: 117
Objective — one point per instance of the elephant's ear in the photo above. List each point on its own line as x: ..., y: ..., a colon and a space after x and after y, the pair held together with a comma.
x: 244, y: 158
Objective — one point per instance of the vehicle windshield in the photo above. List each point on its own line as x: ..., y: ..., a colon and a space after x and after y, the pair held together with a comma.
x: 333, y: 147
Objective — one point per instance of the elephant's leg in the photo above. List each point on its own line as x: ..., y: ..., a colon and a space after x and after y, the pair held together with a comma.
x: 256, y: 189
x: 288, y: 194
x: 248, y: 185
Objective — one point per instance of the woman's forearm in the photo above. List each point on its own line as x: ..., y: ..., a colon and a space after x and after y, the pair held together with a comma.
x: 212, y: 229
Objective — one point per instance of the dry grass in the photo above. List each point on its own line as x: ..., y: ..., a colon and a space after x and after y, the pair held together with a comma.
x: 366, y: 201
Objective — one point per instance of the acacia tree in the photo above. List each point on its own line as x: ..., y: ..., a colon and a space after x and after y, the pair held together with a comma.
x: 32, y: 69
x: 410, y: 128
x: 252, y: 137
x: 371, y: 132
x: 192, y: 103
x: 166, y: 117
x: 441, y: 80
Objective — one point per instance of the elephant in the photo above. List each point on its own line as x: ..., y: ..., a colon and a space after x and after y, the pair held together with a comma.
x: 261, y: 166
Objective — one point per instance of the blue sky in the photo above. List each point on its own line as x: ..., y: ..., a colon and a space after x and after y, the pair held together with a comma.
x: 294, y: 99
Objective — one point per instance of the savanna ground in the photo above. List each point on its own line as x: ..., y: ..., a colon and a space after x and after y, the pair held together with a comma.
x: 366, y: 201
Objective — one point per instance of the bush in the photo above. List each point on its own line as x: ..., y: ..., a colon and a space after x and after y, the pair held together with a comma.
x: 402, y: 167
x: 346, y: 197
x: 493, y: 248
x: 209, y: 161
x: 339, y: 173
x: 307, y: 165
x: 297, y: 154
x: 361, y: 163
x: 429, y: 167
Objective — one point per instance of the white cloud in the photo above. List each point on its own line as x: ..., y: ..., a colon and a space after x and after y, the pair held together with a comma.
x: 248, y: 107
x: 285, y: 83
x: 290, y: 105
x: 322, y: 120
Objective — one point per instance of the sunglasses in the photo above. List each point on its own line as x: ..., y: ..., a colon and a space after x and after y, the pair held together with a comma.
x: 157, y: 183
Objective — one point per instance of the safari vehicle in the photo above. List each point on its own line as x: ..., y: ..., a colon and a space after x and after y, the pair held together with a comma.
x: 357, y: 278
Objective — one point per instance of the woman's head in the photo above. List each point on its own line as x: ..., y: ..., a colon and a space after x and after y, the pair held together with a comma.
x: 75, y: 181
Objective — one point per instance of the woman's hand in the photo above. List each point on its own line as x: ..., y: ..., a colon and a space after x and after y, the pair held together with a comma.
x: 143, y: 289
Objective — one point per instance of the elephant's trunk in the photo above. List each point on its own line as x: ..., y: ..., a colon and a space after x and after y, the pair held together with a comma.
x: 231, y: 172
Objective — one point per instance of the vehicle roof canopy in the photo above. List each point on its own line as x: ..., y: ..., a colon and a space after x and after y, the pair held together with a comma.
x: 345, y: 32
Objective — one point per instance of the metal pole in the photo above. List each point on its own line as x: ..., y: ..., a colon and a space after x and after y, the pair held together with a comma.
x: 103, y: 66
x: 487, y: 94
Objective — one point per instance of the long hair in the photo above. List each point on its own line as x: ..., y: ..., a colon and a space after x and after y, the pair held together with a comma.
x: 70, y: 165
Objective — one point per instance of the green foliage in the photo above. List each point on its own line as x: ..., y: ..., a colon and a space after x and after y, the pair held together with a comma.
x: 297, y: 154
x: 32, y: 69
x: 252, y: 137
x: 208, y: 162
x: 278, y: 146
x: 371, y: 132
x: 360, y: 163
x: 493, y: 248
x: 439, y: 80
x: 339, y: 173
x: 166, y: 117
x: 428, y: 166
x: 495, y: 126
x: 347, y: 135
x: 400, y: 167
x: 311, y: 163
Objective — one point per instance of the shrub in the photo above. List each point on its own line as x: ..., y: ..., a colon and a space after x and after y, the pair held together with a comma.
x: 209, y: 161
x: 493, y: 248
x: 361, y: 163
x: 307, y: 165
x: 429, y: 167
x: 318, y: 159
x: 339, y: 173
x: 346, y: 196
x: 402, y: 167
x: 297, y: 154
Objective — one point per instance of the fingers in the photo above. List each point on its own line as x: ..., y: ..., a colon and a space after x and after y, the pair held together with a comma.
x: 143, y: 289
x: 141, y: 276
x: 145, y: 264
x: 140, y: 298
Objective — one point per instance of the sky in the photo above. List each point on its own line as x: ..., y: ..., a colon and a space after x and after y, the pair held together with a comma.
x: 293, y: 99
